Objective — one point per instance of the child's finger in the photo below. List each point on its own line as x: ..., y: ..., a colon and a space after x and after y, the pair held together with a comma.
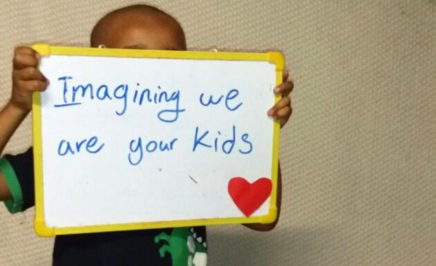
x: 283, y: 115
x: 285, y: 75
x: 29, y: 73
x: 284, y: 112
x: 24, y: 50
x: 25, y: 59
x: 286, y: 101
x: 272, y: 111
x: 285, y: 88
x: 281, y: 111
x: 32, y: 85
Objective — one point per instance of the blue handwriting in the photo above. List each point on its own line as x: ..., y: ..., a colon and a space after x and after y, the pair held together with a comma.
x: 207, y: 140
x: 90, y: 145
x: 137, y: 147
x: 75, y: 93
x: 231, y: 95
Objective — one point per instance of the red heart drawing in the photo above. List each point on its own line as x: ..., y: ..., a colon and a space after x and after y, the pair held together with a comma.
x: 249, y: 197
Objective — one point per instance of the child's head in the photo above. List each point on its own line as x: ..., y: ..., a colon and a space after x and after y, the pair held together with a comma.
x: 139, y: 27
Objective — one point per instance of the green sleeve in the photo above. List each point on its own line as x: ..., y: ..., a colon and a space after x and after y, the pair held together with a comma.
x: 15, y: 204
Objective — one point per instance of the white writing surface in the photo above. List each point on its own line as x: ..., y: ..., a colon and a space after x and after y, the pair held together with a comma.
x: 127, y: 140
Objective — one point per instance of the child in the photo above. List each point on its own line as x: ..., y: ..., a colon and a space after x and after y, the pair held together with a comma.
x: 138, y: 27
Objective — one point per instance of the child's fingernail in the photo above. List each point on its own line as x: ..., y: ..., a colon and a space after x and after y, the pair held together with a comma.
x: 271, y: 112
x: 277, y: 89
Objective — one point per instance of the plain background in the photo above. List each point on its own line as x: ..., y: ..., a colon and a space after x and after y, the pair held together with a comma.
x: 359, y: 154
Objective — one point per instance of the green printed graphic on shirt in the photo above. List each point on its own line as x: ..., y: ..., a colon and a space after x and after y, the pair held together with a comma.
x: 184, y: 247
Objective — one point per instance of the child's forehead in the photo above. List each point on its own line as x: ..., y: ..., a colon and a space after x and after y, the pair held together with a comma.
x: 141, y: 29
x: 145, y: 22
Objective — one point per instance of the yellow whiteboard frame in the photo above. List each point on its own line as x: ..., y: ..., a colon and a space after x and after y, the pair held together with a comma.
x: 41, y: 228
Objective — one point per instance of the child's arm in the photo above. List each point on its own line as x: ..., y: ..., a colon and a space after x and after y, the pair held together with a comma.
x: 10, y: 118
x: 26, y: 79
x: 280, y: 111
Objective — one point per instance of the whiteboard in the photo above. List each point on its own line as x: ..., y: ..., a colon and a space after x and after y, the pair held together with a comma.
x: 134, y: 139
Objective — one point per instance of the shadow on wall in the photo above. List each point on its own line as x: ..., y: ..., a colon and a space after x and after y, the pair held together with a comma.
x: 283, y: 246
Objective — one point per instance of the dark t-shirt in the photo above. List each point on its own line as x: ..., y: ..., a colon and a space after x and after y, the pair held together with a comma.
x: 172, y: 246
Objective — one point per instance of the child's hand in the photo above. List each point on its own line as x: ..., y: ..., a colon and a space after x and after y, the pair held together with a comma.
x: 26, y: 78
x: 282, y: 109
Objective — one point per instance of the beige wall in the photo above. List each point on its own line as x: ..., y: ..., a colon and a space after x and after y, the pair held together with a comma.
x: 359, y: 155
